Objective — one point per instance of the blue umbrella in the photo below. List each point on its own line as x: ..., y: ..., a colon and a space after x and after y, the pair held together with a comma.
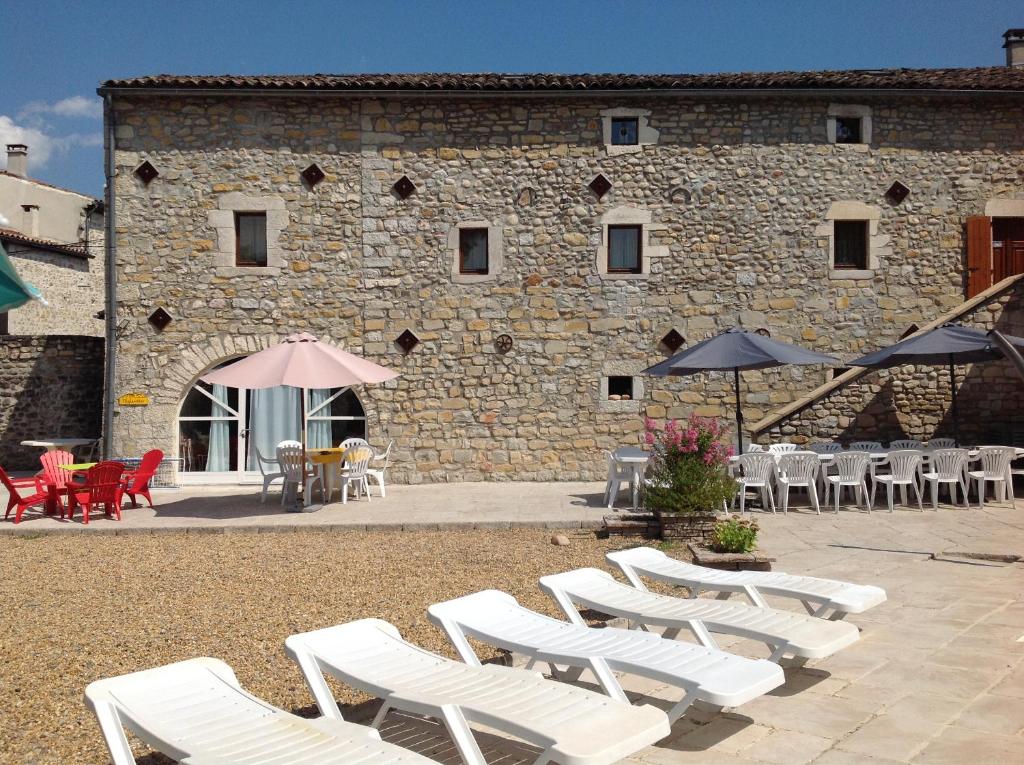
x: 14, y: 291
x: 950, y: 344
x: 736, y: 349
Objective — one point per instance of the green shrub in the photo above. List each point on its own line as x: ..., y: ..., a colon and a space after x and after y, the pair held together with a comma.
x: 688, y: 468
x: 734, y: 536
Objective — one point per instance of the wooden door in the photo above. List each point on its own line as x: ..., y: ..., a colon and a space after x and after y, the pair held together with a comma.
x: 1007, y: 247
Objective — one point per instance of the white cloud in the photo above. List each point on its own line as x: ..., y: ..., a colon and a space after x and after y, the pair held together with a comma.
x: 74, y: 106
x: 40, y: 145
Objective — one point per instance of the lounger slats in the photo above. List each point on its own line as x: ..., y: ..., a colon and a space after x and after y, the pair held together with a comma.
x: 577, y: 725
x: 804, y: 636
x: 195, y: 712
x: 842, y: 597
x: 712, y: 676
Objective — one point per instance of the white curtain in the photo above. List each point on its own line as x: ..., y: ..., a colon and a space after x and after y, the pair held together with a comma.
x: 318, y: 432
x: 218, y: 455
x: 273, y: 417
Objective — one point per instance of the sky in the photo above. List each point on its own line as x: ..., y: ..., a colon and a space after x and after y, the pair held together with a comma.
x: 56, y: 53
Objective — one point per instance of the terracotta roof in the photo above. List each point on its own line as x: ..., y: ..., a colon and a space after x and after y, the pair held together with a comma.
x: 48, y: 185
x: 996, y: 78
x: 16, y: 237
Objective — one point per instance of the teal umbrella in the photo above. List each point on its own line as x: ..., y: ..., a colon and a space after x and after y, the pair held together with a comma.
x: 13, y: 290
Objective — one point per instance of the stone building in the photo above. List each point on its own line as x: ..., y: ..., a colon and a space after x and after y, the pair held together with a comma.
x: 55, y: 240
x: 520, y: 247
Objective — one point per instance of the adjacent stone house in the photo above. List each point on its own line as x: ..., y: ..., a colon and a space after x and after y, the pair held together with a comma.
x: 520, y: 247
x: 55, y: 240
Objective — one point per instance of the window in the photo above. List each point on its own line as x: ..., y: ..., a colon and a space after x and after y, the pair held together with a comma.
x: 625, y: 131
x: 4, y: 324
x: 851, y: 244
x: 473, y: 251
x: 848, y: 130
x: 620, y: 388
x: 625, y: 249
x: 836, y: 371
x: 250, y: 239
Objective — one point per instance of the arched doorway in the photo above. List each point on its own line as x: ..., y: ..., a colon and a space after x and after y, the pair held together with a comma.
x: 220, y: 429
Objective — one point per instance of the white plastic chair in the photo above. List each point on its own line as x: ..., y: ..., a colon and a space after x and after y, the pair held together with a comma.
x: 271, y: 471
x: 905, y: 443
x: 798, y: 469
x: 758, y: 470
x: 714, y: 678
x: 942, y: 443
x: 786, y: 632
x: 995, y: 469
x: 948, y: 466
x: 866, y: 446
x: 618, y: 473
x: 826, y: 598
x: 904, y: 471
x: 357, y: 461
x: 348, y: 443
x: 195, y: 711
x: 851, y: 471
x: 292, y: 459
x: 782, y: 448
x: 825, y: 447
x: 571, y: 725
x: 752, y: 448
x: 377, y: 473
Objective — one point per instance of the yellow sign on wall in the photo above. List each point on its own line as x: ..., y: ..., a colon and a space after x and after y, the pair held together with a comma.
x: 133, y: 399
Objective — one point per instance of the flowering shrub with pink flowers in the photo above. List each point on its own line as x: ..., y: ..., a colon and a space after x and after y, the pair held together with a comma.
x: 688, y: 469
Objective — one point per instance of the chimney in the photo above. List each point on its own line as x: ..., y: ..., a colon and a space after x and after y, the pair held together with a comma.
x: 30, y: 220
x: 1013, y: 41
x: 17, y: 158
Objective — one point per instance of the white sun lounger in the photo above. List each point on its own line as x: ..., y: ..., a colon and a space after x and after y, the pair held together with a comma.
x: 196, y: 713
x: 819, y: 596
x: 785, y: 632
x: 571, y: 725
x: 715, y: 678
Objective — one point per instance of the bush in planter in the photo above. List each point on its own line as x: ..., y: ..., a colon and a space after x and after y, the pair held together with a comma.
x: 688, y: 468
x: 734, y: 536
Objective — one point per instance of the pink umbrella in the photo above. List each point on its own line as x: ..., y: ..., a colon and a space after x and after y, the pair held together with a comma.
x: 301, y: 361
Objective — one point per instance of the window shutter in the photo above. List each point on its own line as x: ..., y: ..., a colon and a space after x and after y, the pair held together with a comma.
x: 979, y: 254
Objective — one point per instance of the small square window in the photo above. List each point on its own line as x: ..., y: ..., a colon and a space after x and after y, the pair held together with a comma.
x: 620, y: 388
x: 851, y: 244
x: 625, y: 249
x: 473, y: 251
x: 250, y: 239
x: 848, y: 130
x: 625, y: 131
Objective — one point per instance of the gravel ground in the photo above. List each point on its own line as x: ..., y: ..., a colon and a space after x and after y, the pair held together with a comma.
x: 76, y: 609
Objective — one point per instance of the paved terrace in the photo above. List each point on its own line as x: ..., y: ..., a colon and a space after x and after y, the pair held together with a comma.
x: 938, y: 676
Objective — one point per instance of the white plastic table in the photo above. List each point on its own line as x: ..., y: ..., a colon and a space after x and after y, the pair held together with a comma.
x: 637, y: 460
x: 53, y: 444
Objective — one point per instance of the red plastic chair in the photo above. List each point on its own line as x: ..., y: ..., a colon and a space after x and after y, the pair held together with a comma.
x: 56, y: 477
x: 103, y: 486
x: 137, y: 481
x: 15, y: 498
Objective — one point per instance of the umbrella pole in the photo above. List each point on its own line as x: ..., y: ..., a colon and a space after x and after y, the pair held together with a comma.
x: 739, y: 410
x: 952, y: 387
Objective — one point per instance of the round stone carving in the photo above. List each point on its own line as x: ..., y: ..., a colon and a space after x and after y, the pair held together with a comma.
x: 503, y: 343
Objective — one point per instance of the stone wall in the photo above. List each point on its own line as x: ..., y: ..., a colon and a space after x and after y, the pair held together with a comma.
x: 73, y: 287
x: 736, y: 191
x: 914, y: 401
x: 50, y: 387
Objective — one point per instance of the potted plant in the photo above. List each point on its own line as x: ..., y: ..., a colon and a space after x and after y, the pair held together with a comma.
x: 688, y: 478
x: 732, y: 546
